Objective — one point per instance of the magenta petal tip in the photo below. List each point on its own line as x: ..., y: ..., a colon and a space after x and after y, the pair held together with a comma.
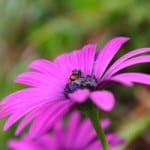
x: 103, y: 99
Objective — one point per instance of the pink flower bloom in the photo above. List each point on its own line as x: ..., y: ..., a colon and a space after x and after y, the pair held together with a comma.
x: 72, y: 78
x: 77, y: 134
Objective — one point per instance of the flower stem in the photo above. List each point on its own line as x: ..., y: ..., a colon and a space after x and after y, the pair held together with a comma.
x: 100, y: 133
x: 92, y: 113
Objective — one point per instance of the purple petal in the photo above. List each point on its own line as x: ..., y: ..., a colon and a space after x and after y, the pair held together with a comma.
x: 26, y: 120
x: 45, y: 67
x: 20, y: 103
x: 72, y: 127
x: 15, y: 117
x: 27, y: 143
x: 132, y: 77
x: 28, y: 98
x: 130, y: 62
x: 105, y: 123
x: 80, y: 59
x: 36, y: 79
x: 42, y: 94
x: 103, y: 99
x: 125, y: 58
x: 18, y: 145
x: 114, y: 140
x: 106, y: 54
x: 87, y: 59
x: 95, y: 146
x: 44, y: 142
x: 59, y: 133
x: 84, y: 128
x: 49, y: 69
x: 42, y: 124
x: 80, y: 96
x: 57, y: 116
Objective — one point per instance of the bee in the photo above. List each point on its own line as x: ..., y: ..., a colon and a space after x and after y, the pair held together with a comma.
x: 75, y: 75
x: 77, y: 81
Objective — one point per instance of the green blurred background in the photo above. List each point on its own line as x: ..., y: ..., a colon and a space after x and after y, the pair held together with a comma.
x: 45, y: 28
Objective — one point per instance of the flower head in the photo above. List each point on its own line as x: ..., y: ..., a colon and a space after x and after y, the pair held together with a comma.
x: 77, y: 134
x: 72, y: 78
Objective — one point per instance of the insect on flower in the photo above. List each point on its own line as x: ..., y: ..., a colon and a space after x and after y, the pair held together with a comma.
x: 71, y: 79
x: 75, y: 75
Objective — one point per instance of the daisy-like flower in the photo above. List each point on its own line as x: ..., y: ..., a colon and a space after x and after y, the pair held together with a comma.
x: 69, y: 80
x: 77, y: 134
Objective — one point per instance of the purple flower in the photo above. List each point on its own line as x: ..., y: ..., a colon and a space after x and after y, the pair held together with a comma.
x: 77, y: 134
x: 71, y: 79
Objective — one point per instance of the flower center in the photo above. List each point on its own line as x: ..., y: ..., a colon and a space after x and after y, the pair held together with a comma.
x: 77, y: 81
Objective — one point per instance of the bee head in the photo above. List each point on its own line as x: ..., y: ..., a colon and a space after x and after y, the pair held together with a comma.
x: 76, y: 73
